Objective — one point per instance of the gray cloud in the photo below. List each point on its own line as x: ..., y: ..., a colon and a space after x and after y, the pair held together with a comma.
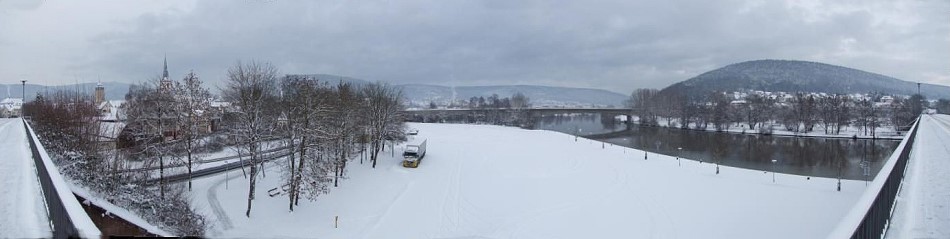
x: 614, y: 45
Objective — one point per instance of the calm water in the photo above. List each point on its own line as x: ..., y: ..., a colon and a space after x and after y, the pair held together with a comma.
x: 820, y: 157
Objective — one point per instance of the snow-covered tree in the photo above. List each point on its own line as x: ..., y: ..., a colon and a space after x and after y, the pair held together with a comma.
x: 252, y: 89
x: 384, y: 116
x: 193, y: 102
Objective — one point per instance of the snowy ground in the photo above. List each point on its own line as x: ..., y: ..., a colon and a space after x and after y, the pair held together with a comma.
x: 923, y: 204
x: 481, y: 181
x: 22, y: 208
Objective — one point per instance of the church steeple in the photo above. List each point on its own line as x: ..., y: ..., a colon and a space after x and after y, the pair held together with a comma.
x: 165, y: 72
x: 165, y: 84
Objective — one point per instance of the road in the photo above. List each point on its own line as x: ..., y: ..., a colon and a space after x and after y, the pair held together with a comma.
x: 218, y: 169
x: 22, y: 207
x: 923, y: 203
x: 175, y: 165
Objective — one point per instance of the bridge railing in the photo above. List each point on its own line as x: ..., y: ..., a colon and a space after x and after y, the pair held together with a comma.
x: 871, y: 215
x: 67, y: 217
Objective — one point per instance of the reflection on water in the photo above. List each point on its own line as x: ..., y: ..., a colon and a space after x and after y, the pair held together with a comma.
x: 819, y: 157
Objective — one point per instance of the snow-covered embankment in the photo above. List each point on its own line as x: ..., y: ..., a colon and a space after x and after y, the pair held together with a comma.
x: 482, y: 181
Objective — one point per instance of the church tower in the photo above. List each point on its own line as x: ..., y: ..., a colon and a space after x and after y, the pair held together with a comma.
x: 100, y: 94
x: 165, y: 83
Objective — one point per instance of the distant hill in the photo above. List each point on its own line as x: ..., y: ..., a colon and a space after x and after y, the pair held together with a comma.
x: 114, y: 90
x: 540, y: 95
x: 793, y: 76
x: 419, y: 95
x: 333, y: 79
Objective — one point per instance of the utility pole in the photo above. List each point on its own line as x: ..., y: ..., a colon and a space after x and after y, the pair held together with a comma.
x: 22, y: 96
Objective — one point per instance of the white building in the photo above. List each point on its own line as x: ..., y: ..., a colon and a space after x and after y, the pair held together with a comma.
x: 10, y: 107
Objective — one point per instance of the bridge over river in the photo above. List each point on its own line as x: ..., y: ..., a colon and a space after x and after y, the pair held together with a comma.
x: 483, y: 115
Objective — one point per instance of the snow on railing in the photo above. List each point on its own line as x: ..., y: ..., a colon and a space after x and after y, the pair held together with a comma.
x: 68, y: 218
x: 871, y: 214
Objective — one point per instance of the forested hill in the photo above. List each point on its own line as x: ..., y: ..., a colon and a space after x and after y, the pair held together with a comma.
x: 793, y: 76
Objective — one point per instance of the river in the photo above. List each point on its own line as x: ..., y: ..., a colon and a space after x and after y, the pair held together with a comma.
x: 819, y: 157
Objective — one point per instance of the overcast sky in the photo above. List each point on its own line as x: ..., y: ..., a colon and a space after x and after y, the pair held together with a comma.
x: 614, y: 45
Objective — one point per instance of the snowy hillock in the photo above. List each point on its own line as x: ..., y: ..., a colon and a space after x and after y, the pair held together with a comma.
x: 795, y: 76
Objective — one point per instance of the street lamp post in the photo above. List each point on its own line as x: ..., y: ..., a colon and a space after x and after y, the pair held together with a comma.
x: 22, y: 96
x: 717, y: 166
x: 678, y: 156
x: 773, y: 170
x: 577, y: 133
x: 226, y: 169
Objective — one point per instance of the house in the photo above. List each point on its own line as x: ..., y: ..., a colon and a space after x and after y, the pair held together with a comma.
x: 111, y: 111
x: 887, y: 99
x: 10, y: 107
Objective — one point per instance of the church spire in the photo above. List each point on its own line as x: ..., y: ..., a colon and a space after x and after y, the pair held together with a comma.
x: 165, y: 84
x: 165, y: 72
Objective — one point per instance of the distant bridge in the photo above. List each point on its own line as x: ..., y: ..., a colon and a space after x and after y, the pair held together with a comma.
x: 618, y: 111
x: 472, y: 115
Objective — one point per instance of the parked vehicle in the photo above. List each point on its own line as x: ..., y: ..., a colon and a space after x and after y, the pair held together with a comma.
x: 415, y: 151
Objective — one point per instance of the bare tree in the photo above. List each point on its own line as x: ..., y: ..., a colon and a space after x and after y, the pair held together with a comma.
x: 383, y: 112
x: 867, y: 116
x: 251, y: 87
x: 834, y: 113
x: 153, y: 122
x: 720, y: 111
x: 644, y: 103
x: 193, y: 102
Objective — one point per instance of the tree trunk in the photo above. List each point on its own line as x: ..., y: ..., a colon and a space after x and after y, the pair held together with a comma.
x: 189, y: 165
x: 292, y: 183
x: 250, y: 191
x: 253, y: 176
x: 161, y: 176
x: 299, y: 173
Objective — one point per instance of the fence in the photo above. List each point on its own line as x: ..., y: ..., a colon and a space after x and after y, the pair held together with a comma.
x: 59, y: 216
x: 872, y: 214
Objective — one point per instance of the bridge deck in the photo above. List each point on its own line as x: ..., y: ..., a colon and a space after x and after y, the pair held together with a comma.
x: 22, y: 209
x: 923, y: 203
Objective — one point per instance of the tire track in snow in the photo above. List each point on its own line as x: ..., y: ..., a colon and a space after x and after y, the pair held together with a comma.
x: 451, y: 202
x: 647, y: 202
x: 389, y: 209
x: 216, y: 205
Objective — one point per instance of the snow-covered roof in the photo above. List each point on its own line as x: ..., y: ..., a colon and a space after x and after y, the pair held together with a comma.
x: 11, y: 104
x: 104, y: 104
x: 220, y: 104
x: 14, y: 101
x: 110, y: 130
x: 115, y: 111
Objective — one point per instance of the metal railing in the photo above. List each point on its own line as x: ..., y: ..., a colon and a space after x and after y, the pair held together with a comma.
x: 57, y: 195
x: 61, y: 224
x: 877, y: 213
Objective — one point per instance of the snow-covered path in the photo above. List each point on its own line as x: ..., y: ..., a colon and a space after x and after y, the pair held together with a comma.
x: 482, y: 181
x: 22, y: 209
x: 923, y: 204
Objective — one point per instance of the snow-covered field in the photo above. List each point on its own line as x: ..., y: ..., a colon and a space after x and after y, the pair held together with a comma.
x: 480, y: 181
x: 22, y: 209
x: 923, y: 204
